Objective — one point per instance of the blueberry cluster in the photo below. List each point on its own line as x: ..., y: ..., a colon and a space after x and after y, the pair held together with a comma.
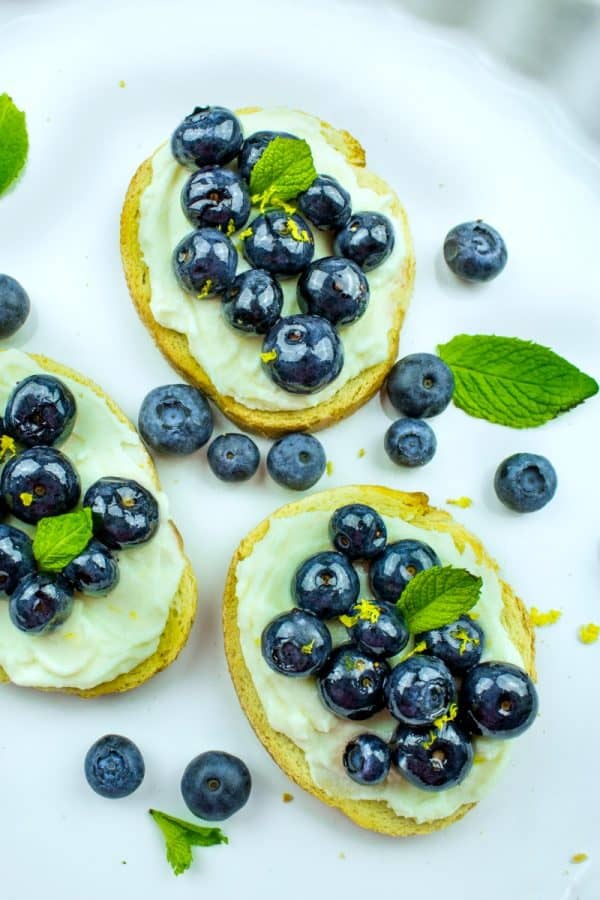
x: 39, y: 481
x: 441, y: 695
x: 302, y: 353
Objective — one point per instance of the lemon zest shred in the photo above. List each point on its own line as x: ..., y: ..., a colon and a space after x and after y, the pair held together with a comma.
x: 206, y: 289
x: 579, y: 858
x: 465, y: 639
x: 418, y: 648
x: 7, y: 447
x: 133, y: 614
x: 246, y: 233
x: 479, y: 758
x: 269, y: 356
x: 438, y: 724
x: 308, y: 648
x: 298, y: 234
x: 589, y: 634
x: 329, y: 467
x: 230, y: 228
x: 362, y: 452
x: 463, y: 502
x: 69, y: 635
x: 26, y: 498
x: 472, y: 615
x: 539, y: 618
x: 122, y: 83
x: 366, y: 610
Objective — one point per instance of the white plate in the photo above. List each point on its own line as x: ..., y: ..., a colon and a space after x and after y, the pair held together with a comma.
x: 459, y: 138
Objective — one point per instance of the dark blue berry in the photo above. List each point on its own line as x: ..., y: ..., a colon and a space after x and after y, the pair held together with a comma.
x: 123, y: 512
x: 351, y: 683
x: 280, y: 243
x: 209, y: 136
x: 357, y: 531
x: 302, y: 354
x: 39, y: 482
x: 475, y: 251
x: 390, y: 573
x: 253, y: 147
x: 175, y: 418
x: 420, y: 385
x: 432, y: 760
x: 335, y: 288
x: 215, y: 785
x: 94, y: 571
x: 380, y: 631
x: 367, y: 759
x: 114, y: 766
x: 326, y: 203
x: 296, y: 643
x: 204, y: 262
x: 459, y: 644
x: 233, y: 457
x: 296, y: 461
x: 525, y: 482
x: 410, y: 442
x: 420, y: 690
x: 14, y: 306
x: 498, y: 700
x: 326, y: 584
x: 40, y: 410
x: 216, y: 198
x: 40, y: 603
x: 16, y: 557
x: 367, y: 239
x: 253, y: 301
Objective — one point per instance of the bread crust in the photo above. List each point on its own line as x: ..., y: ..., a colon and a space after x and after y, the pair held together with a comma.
x: 374, y: 815
x: 183, y: 605
x: 174, y: 346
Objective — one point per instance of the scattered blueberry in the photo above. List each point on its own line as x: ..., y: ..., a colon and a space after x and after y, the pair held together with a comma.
x: 114, y: 766
x: 459, y: 644
x: 367, y: 239
x: 419, y: 690
x: 14, y: 306
x: 280, y: 243
x: 498, y: 700
x: 351, y: 683
x: 296, y: 461
x: 39, y: 482
x: 382, y: 632
x: 209, y: 136
x: 175, y: 418
x: 40, y: 603
x: 357, y: 531
x: 525, y: 482
x: 233, y: 457
x: 216, y: 198
x: 475, y: 251
x: 326, y: 203
x: 296, y: 643
x: 326, y: 584
x: 390, y: 573
x: 335, y: 288
x: 420, y: 385
x: 302, y: 354
x: 123, y: 512
x: 95, y: 571
x: 432, y: 761
x: 204, y: 262
x: 253, y: 301
x: 215, y: 785
x: 367, y: 759
x: 16, y: 557
x: 253, y: 147
x: 40, y: 410
x: 410, y: 442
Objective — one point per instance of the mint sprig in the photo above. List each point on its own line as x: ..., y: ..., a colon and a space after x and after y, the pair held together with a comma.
x: 513, y: 382
x: 181, y: 836
x: 14, y: 142
x: 284, y: 169
x: 438, y: 596
x: 59, y: 539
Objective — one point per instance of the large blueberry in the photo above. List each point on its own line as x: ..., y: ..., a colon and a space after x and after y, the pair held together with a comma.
x: 204, y: 262
x: 432, y: 760
x: 357, y: 531
x: 351, y: 683
x: 296, y: 461
x: 475, y: 251
x: 233, y: 457
x: 335, y: 288
x: 378, y: 628
x: 123, y: 512
x: 175, y: 418
x: 215, y: 785
x: 40, y: 410
x: 279, y: 242
x: 326, y: 203
x: 326, y: 584
x: 302, y: 354
x: 419, y: 690
x: 114, y: 766
x: 253, y: 301
x: 40, y: 603
x: 459, y: 644
x: 420, y: 385
x: 525, y: 482
x: 253, y: 148
x: 39, y: 482
x: 209, y: 136
x: 367, y: 239
x: 216, y: 198
x: 410, y: 442
x: 367, y: 759
x: 498, y: 699
x: 14, y: 306
x: 16, y: 557
x: 296, y: 643
x: 93, y: 571
x: 390, y: 573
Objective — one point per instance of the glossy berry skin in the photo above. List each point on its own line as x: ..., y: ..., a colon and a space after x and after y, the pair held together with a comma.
x: 209, y: 136
x: 39, y: 482
x: 367, y: 239
x: 357, y: 531
x: 419, y: 690
x: 296, y: 461
x: 410, y: 442
x: 215, y: 785
x: 296, y: 644
x: 124, y: 513
x: 525, y: 482
x: 335, y: 288
x: 385, y: 636
x: 393, y: 569
x: 351, y: 683
x: 475, y: 251
x: 433, y: 765
x: 95, y: 571
x: 204, y: 262
x: 16, y: 558
x: 40, y: 603
x: 40, y: 410
x: 308, y: 354
x: 114, y: 766
x: 367, y: 759
x: 253, y: 148
x: 216, y: 198
x: 233, y: 457
x: 326, y: 584
x: 459, y: 644
x: 420, y: 385
x: 326, y: 204
x: 253, y: 301
x: 498, y: 700
x: 175, y: 418
x: 280, y: 243
x: 14, y: 306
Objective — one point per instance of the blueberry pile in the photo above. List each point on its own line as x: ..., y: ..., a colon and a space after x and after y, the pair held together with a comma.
x: 302, y: 353
x: 440, y: 695
x: 39, y: 481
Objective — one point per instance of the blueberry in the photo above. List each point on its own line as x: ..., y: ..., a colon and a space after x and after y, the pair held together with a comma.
x: 367, y: 759
x: 233, y: 457
x: 94, y: 571
x: 204, y: 262
x: 215, y: 785
x: 351, y: 683
x: 367, y: 239
x: 114, y: 766
x: 209, y: 136
x: 410, y: 442
x: 175, y: 418
x: 39, y: 482
x: 390, y: 573
x: 357, y: 531
x: 525, y: 482
x: 279, y: 242
x: 420, y: 385
x: 379, y: 630
x: 14, y: 306
x: 16, y: 558
x: 303, y: 354
x: 335, y: 288
x: 253, y: 301
x: 419, y: 690
x: 498, y: 700
x: 253, y: 148
x: 326, y: 584
x: 459, y: 644
x: 326, y: 203
x: 123, y: 512
x: 475, y: 251
x: 40, y: 410
x: 296, y: 461
x: 430, y: 760
x: 40, y: 603
x: 296, y: 643
x: 216, y: 198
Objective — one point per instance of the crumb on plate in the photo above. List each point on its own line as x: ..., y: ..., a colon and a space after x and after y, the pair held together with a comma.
x: 463, y: 502
x: 287, y: 798
x: 579, y: 858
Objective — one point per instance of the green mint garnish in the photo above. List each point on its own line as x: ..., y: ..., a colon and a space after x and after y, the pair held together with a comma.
x: 181, y: 836
x: 438, y: 596
x: 14, y: 142
x: 284, y: 170
x: 59, y: 539
x: 513, y: 382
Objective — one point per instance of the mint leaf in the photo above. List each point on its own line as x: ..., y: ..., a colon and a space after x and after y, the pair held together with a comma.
x: 283, y: 171
x: 14, y: 142
x: 59, y: 539
x: 181, y: 836
x: 513, y: 382
x: 438, y: 596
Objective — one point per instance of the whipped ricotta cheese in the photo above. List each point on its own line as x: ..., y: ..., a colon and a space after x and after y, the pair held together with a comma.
x: 292, y: 705
x: 104, y: 636
x: 230, y: 358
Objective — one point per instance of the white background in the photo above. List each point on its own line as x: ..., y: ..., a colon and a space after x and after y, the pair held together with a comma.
x: 459, y: 138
